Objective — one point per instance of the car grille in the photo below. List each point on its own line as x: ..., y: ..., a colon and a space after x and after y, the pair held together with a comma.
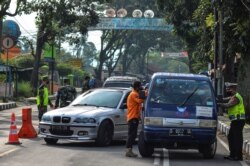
x: 61, y: 132
x: 58, y: 119
x: 65, y: 119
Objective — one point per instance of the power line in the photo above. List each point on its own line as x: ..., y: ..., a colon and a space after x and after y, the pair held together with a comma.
x: 23, y: 27
x: 27, y: 32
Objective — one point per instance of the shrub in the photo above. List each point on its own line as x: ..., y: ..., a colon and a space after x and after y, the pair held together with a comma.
x: 24, y: 89
x: 2, y: 77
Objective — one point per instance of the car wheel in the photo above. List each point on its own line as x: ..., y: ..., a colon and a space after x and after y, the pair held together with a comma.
x: 146, y: 150
x: 50, y: 141
x: 208, y: 150
x: 105, y: 134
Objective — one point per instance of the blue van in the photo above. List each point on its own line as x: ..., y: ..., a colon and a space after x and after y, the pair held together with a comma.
x: 180, y: 112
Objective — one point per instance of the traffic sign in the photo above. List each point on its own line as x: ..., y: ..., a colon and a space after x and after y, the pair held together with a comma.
x: 7, y: 42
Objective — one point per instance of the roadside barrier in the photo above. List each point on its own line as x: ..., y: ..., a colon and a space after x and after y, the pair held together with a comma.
x: 13, y: 137
x: 27, y: 130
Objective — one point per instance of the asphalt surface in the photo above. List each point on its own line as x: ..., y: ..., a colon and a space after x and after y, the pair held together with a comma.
x: 223, y: 124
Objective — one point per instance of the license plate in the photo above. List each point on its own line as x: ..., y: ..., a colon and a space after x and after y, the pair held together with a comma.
x: 60, y: 128
x: 180, y: 132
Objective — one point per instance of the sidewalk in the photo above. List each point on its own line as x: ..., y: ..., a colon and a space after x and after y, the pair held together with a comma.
x: 26, y: 101
x: 223, y: 127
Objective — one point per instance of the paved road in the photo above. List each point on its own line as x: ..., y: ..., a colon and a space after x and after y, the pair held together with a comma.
x: 35, y: 152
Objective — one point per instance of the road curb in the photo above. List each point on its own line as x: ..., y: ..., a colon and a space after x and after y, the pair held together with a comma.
x: 9, y: 105
x: 224, y: 128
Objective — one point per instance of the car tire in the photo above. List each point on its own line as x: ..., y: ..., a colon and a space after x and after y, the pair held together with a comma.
x: 105, y: 134
x: 208, y: 150
x: 50, y: 141
x: 145, y: 149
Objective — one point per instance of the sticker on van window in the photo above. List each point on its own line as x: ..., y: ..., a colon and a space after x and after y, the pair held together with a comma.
x: 204, y: 111
x: 209, y: 103
x: 182, y: 112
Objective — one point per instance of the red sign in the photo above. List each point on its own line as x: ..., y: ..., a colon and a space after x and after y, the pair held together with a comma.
x: 7, y: 42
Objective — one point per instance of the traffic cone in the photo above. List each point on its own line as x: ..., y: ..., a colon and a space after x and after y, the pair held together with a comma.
x: 27, y: 130
x: 13, y: 137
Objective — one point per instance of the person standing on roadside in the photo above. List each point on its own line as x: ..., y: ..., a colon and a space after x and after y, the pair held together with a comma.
x: 86, y: 86
x: 65, y: 95
x: 42, y: 99
x: 236, y: 113
x: 134, y: 106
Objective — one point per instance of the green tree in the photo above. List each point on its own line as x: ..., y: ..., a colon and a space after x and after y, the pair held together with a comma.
x: 204, y: 53
x: 237, y: 40
x: 23, y: 61
x: 180, y: 14
x: 130, y: 48
x: 54, y: 15
x: 87, y: 52
x: 64, y: 69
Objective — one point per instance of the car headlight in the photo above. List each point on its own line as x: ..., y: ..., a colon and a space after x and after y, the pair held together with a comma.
x: 84, y: 120
x: 46, y: 118
x: 153, y: 121
x: 208, y: 123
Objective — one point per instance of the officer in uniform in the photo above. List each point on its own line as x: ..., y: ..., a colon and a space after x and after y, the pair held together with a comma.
x: 236, y: 112
x: 42, y: 99
x: 65, y: 95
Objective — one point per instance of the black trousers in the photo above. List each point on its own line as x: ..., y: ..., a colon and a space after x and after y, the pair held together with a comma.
x: 132, y: 132
x: 235, y: 138
x: 41, y: 111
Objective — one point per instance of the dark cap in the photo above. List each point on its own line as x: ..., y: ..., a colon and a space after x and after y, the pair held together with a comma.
x: 230, y: 84
x: 45, y: 78
x: 87, y: 77
x: 136, y: 84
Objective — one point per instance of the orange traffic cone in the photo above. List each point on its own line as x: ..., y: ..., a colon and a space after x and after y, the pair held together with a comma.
x: 27, y: 130
x: 13, y: 137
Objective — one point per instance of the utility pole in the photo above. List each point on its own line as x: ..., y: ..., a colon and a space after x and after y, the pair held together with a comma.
x: 221, y: 57
x: 218, y: 48
x: 1, y: 32
x: 52, y: 68
x: 215, y: 48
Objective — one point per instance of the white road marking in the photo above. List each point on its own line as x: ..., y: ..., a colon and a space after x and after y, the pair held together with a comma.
x: 157, y: 159
x: 223, y: 143
x: 165, y: 159
x: 243, y: 163
x: 8, y: 152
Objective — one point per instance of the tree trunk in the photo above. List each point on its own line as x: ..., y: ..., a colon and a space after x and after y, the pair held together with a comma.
x: 229, y: 70
x: 244, y: 83
x: 98, y: 71
x: 35, y: 72
x: 124, y: 61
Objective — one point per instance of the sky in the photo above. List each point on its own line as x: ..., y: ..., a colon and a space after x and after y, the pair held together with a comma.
x: 28, y: 28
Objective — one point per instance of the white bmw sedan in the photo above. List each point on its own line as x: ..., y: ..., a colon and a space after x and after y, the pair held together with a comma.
x: 98, y: 114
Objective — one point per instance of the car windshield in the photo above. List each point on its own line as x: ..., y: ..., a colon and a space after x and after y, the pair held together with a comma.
x: 99, y: 98
x: 181, y: 92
